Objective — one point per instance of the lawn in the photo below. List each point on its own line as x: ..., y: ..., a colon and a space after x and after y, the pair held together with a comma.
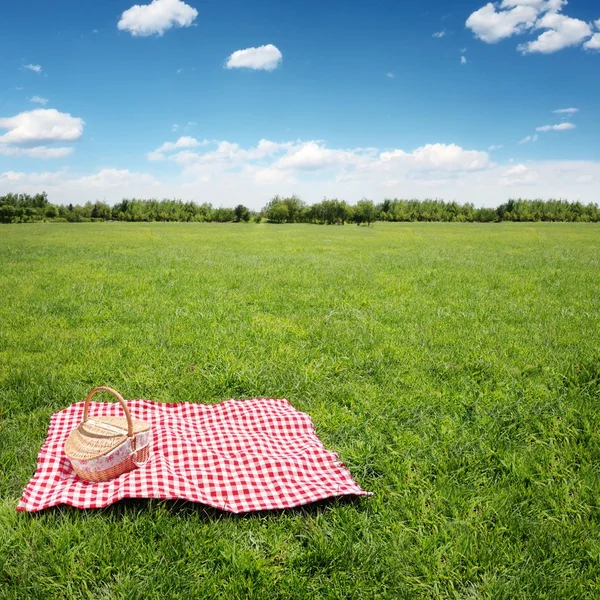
x: 455, y: 368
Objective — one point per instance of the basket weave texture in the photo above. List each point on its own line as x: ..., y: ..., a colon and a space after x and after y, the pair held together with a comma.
x: 103, y: 448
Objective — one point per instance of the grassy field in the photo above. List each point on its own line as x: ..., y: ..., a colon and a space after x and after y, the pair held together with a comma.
x: 454, y: 368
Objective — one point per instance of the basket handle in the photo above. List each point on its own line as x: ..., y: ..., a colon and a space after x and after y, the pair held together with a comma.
x: 104, y: 388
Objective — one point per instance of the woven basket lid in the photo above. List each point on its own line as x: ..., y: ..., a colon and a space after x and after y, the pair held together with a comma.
x: 97, y: 436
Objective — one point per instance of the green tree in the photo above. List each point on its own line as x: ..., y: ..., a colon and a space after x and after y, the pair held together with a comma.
x: 241, y: 213
x: 52, y: 211
x: 365, y: 212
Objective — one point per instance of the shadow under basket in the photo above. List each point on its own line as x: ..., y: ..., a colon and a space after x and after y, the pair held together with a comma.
x: 102, y: 448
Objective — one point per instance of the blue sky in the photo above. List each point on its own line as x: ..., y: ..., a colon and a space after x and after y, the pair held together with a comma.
x: 235, y: 101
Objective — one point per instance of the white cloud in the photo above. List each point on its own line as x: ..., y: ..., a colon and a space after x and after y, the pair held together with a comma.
x: 265, y: 58
x: 182, y: 142
x: 439, y: 157
x: 155, y: 156
x: 35, y: 152
x: 540, y: 5
x: 463, y: 60
x: 157, y: 17
x: 519, y: 175
x: 561, y: 32
x: 30, y: 181
x: 559, y: 127
x: 390, y: 75
x: 566, y: 111
x: 271, y: 176
x: 41, y: 125
x: 367, y: 176
x: 34, y: 68
x: 227, y: 171
x: 39, y: 100
x: 439, y: 34
x: 110, y: 178
x: 494, y: 22
x: 491, y: 26
x: 529, y: 138
x: 594, y: 42
x: 517, y: 170
x: 227, y: 156
x: 269, y: 161
x: 312, y: 156
x: 495, y: 147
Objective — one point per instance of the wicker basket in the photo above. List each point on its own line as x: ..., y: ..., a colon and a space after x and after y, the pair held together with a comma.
x: 103, y: 448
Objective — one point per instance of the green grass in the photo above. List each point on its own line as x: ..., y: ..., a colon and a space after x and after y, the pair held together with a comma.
x: 454, y: 368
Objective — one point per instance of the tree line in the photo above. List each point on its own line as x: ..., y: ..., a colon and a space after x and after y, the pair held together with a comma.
x: 26, y: 208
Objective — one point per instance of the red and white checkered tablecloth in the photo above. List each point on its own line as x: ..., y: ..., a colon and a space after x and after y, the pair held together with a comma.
x: 237, y: 456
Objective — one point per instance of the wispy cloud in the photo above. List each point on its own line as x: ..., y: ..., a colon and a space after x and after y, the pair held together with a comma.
x: 565, y: 111
x: 495, y: 147
x: 439, y: 34
x: 463, y: 60
x: 558, y: 127
x: 39, y: 100
x: 34, y: 68
x: 390, y: 75
x: 529, y: 138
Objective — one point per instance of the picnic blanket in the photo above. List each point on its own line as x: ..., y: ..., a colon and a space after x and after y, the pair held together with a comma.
x: 237, y: 456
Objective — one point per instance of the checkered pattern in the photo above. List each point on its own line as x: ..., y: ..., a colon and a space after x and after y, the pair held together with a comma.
x: 237, y: 456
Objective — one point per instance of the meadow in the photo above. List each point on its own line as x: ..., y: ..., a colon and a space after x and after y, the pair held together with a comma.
x: 455, y: 368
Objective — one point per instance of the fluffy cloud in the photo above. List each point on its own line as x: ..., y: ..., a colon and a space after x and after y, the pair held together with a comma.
x: 492, y: 23
x: 565, y: 111
x: 491, y: 26
x: 270, y: 162
x: 559, y: 127
x: 438, y: 157
x: 253, y: 184
x: 312, y: 156
x: 41, y: 125
x: 561, y: 32
x: 34, y: 68
x: 28, y: 131
x: 264, y: 58
x: 157, y: 17
x: 227, y: 156
x: 594, y: 42
x: 39, y: 100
